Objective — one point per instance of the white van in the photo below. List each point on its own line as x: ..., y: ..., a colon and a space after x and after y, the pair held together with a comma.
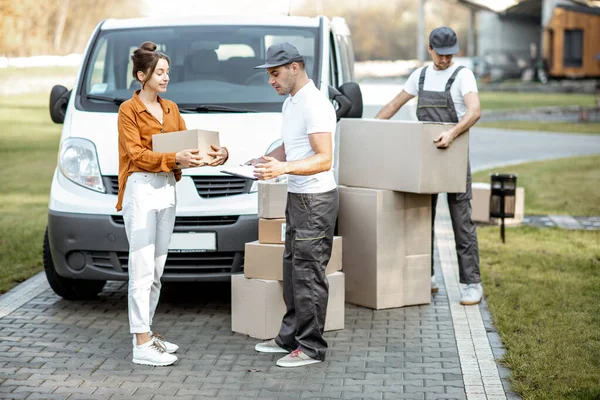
x: 213, y: 82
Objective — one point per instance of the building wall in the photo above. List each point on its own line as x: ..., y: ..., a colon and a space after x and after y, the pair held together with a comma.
x: 509, y: 34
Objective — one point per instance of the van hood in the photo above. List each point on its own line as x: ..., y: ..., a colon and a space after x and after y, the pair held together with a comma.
x: 246, y: 136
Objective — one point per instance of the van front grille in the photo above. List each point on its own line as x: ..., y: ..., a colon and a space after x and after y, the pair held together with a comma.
x: 207, y: 186
x: 220, y: 186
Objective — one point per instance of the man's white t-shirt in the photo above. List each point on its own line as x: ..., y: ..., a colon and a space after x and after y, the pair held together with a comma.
x: 308, y: 111
x: 435, y: 81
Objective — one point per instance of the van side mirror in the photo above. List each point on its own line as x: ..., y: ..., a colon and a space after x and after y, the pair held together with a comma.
x: 343, y: 102
x: 59, y: 98
x: 352, y: 91
x: 349, y: 99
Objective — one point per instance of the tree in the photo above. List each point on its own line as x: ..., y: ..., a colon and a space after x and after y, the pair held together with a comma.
x: 58, y: 27
x: 387, y: 29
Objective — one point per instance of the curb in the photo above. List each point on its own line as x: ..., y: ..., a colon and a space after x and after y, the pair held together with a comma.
x: 22, y: 293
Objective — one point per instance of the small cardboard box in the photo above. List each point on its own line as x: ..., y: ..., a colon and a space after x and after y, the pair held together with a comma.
x: 257, y: 305
x: 265, y: 261
x: 387, y: 247
x: 272, y: 199
x: 271, y: 231
x: 481, y: 205
x: 401, y: 156
x: 182, y: 140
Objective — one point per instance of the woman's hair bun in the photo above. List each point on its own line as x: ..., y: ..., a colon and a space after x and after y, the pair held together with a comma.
x: 148, y: 46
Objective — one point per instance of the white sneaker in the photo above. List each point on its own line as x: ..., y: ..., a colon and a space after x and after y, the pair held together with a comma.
x: 472, y: 294
x: 152, y: 353
x: 269, y: 347
x: 296, y: 358
x: 435, y: 287
x: 169, y: 347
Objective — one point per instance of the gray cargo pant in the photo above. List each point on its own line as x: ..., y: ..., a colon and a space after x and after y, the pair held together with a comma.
x: 310, y: 222
x: 465, y: 234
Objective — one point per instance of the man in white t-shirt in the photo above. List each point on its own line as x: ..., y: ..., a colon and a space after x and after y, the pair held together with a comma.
x: 448, y: 93
x: 306, y: 155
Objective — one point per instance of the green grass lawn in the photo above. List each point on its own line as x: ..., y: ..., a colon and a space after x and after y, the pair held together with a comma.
x: 542, y: 290
x: 28, y: 149
x: 542, y: 286
x: 520, y: 101
x: 563, y: 186
x: 563, y: 127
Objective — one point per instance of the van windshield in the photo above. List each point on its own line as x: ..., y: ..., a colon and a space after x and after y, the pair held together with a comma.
x: 210, y: 65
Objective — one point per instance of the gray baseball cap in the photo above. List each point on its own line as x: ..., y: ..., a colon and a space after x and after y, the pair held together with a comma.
x: 443, y: 41
x: 281, y: 54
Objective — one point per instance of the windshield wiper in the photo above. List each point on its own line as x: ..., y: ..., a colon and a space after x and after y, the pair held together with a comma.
x: 115, y: 100
x: 208, y: 108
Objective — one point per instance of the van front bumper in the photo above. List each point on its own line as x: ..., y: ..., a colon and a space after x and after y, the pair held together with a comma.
x: 87, y: 246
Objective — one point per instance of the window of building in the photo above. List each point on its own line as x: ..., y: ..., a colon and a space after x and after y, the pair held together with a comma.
x: 573, y: 48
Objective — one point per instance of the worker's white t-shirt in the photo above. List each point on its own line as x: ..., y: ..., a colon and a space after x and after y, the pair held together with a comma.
x: 435, y: 81
x: 308, y: 111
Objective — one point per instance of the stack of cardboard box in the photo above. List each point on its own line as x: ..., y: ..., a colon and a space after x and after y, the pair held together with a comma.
x: 387, y: 172
x: 257, y: 305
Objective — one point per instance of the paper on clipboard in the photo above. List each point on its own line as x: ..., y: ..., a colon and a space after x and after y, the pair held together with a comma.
x: 243, y: 171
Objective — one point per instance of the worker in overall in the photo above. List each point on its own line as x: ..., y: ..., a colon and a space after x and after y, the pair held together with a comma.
x: 447, y: 92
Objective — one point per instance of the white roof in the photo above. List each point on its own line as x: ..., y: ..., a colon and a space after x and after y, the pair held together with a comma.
x: 210, y: 20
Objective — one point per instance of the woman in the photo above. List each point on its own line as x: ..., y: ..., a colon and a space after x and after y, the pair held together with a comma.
x: 147, y: 196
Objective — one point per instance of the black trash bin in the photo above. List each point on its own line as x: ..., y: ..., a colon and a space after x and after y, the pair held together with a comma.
x: 502, y: 197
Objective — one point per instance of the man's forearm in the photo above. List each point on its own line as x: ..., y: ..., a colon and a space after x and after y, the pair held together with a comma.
x: 309, y: 166
x: 386, y: 112
x: 468, y: 120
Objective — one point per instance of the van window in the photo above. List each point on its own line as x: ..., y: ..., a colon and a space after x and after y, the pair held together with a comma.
x: 333, y: 63
x: 209, y: 64
x: 346, y: 57
x: 97, y: 77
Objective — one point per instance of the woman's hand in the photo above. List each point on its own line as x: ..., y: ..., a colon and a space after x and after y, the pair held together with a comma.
x: 189, y: 158
x: 220, y: 155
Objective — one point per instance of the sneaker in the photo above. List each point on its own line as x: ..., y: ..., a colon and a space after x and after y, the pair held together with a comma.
x: 434, y: 285
x: 169, y: 347
x: 152, y: 353
x: 472, y: 294
x: 296, y: 358
x: 269, y: 347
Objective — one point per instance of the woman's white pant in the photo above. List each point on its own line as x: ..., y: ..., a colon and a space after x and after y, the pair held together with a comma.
x: 149, y: 214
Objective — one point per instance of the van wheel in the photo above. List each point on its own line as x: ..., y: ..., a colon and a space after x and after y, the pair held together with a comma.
x: 70, y: 289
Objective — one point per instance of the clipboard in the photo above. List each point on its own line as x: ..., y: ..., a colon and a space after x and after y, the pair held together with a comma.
x: 243, y: 171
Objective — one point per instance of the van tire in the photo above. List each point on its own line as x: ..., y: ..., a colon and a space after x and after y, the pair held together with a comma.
x: 70, y: 289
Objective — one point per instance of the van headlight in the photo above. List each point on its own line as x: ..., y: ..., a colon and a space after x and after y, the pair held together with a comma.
x: 78, y: 162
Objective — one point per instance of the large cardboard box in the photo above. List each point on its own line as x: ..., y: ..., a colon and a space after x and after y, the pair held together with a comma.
x: 387, y: 247
x: 257, y: 305
x: 401, y: 156
x: 272, y: 199
x: 265, y: 261
x: 481, y: 205
x: 271, y: 231
x: 182, y: 140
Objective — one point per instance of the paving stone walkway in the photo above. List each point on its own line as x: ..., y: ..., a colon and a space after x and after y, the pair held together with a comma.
x: 563, y: 221
x: 51, y: 348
